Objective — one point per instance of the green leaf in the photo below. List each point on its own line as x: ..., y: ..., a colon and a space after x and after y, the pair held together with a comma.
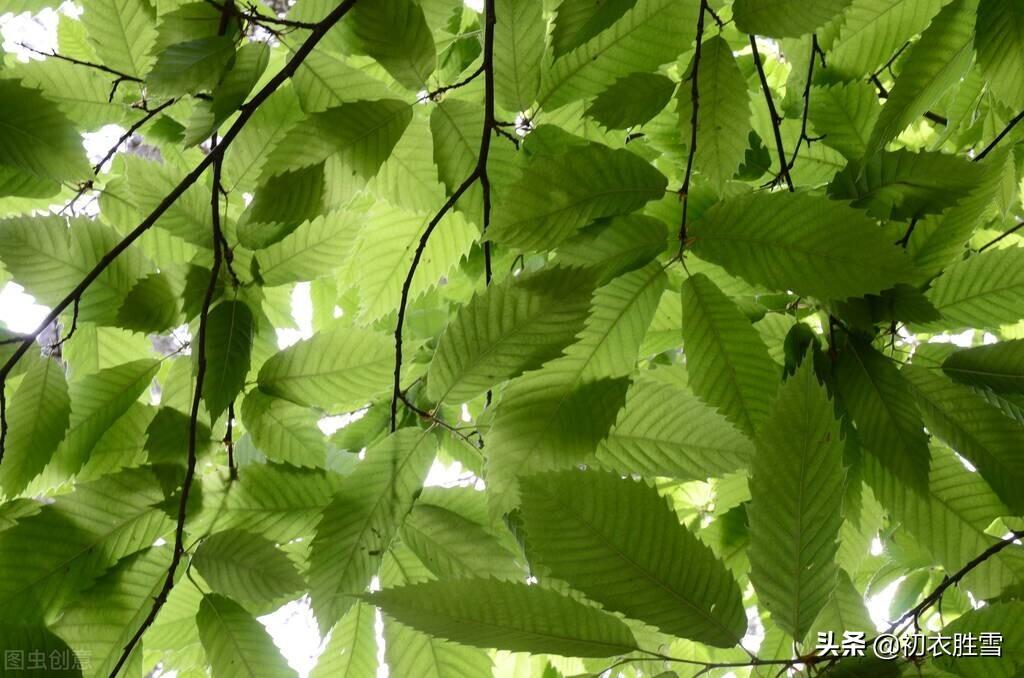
x: 103, y: 619
x: 236, y: 644
x: 631, y: 100
x: 358, y: 526
x: 122, y: 33
x: 508, y: 616
x: 242, y: 75
x: 795, y: 512
x: 191, y: 66
x: 389, y: 237
x: 785, y: 18
x: 246, y: 567
x: 780, y: 240
x: 974, y: 428
x: 50, y: 556
x: 278, y: 501
x: 509, y: 328
x: 336, y: 369
x: 583, y: 527
x: 999, y: 41
x: 37, y: 137
x: 409, y: 177
x: 558, y: 195
x: 664, y: 430
x: 35, y: 641
x: 395, y: 33
x: 873, y: 30
x: 283, y: 430
x: 452, y: 546
x: 723, y: 119
x: 646, y: 36
x: 97, y: 401
x: 999, y: 366
x: 950, y: 521
x: 37, y: 419
x: 844, y: 114
x: 312, y: 250
x: 188, y: 218
x: 151, y: 305
x: 878, y: 398
x: 577, y: 21
x: 229, y: 335
x: 81, y: 93
x: 518, y: 50
x: 902, y: 185
x: 409, y: 652
x: 361, y: 134
x: 984, y: 291
x: 936, y: 62
x: 1007, y: 618
x: 325, y: 80
x: 554, y: 417
x: 352, y: 650
x: 729, y: 365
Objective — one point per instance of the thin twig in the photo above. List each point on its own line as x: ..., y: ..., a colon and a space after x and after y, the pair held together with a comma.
x: 775, y: 118
x: 815, y: 51
x: 193, y: 432
x: 883, y: 93
x: 935, y: 596
x: 150, y: 114
x: 120, y: 75
x: 479, y: 173
x: 999, y: 137
x: 245, y: 113
x: 435, y: 95
x: 902, y: 242
x: 684, y: 190
x: 260, y: 19
x: 993, y: 241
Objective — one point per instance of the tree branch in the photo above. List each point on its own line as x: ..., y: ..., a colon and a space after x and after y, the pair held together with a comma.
x: 684, y: 190
x: 260, y: 19
x: 999, y: 137
x: 150, y: 114
x: 193, y: 430
x: 245, y: 113
x: 883, y: 93
x: 776, y: 120
x: 120, y: 75
x: 479, y: 173
x: 815, y: 51
x: 993, y: 241
x: 933, y: 598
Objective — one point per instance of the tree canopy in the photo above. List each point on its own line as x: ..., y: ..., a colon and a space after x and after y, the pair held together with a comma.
x: 714, y: 307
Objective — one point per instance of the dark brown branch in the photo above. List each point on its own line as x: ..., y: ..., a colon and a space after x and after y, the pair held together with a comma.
x: 999, y: 137
x: 245, y: 113
x: 684, y: 191
x: 120, y: 75
x: 883, y: 93
x: 193, y: 432
x: 485, y: 139
x: 230, y: 443
x: 150, y: 114
x: 775, y: 118
x: 815, y: 52
x: 935, y: 596
x: 479, y: 173
x: 902, y: 242
x: 260, y: 19
x: 993, y: 241
x: 437, y: 93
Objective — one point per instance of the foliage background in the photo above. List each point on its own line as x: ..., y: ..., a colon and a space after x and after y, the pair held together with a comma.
x: 674, y: 284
